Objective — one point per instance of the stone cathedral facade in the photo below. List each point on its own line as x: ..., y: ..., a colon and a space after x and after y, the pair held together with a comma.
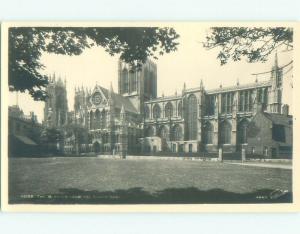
x: 136, y: 121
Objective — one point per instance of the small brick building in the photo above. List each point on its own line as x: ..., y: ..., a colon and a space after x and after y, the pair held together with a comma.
x: 270, y: 135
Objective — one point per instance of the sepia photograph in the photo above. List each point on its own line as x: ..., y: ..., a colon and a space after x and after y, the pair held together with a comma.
x: 147, y: 114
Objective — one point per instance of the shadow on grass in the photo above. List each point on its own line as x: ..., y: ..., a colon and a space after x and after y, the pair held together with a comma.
x: 137, y: 195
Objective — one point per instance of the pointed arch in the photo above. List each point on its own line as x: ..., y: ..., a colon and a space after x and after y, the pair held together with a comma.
x: 192, y: 117
x: 208, y: 131
x: 103, y: 118
x: 225, y: 132
x: 125, y: 80
x: 156, y: 111
x: 176, y: 134
x: 97, y: 118
x: 91, y: 120
x: 179, y: 108
x: 243, y: 131
x: 163, y: 132
x: 169, y: 110
x: 150, y: 131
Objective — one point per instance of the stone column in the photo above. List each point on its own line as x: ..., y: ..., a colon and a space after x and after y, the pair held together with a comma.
x: 220, y: 154
x: 243, y: 154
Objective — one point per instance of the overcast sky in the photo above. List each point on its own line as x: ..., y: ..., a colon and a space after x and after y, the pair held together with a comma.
x: 189, y: 64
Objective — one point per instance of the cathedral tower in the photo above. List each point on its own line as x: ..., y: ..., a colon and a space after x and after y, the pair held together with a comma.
x: 275, y: 94
x: 56, y: 105
x: 139, y: 86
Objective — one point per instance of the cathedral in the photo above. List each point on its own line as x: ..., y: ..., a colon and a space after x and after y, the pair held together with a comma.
x: 135, y: 121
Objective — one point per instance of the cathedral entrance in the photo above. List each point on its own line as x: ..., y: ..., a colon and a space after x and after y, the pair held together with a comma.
x: 96, y: 147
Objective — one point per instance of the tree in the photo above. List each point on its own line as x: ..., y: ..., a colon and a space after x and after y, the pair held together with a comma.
x: 26, y: 45
x: 256, y: 44
x: 51, y: 138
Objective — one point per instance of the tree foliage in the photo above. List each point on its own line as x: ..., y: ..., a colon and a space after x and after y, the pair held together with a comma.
x: 256, y: 44
x: 26, y: 45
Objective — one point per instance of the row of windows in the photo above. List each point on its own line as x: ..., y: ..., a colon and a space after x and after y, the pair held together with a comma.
x: 176, y: 133
x: 191, y: 114
x: 225, y: 131
x: 246, y: 101
x: 169, y: 111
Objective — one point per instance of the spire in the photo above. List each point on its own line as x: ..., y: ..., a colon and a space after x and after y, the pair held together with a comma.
x: 110, y: 94
x: 122, y: 114
x: 184, y: 87
x: 201, y: 84
x: 122, y: 110
x: 276, y: 60
x: 237, y: 82
x: 54, y: 77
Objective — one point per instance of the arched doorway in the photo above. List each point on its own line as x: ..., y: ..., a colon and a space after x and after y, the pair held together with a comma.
x: 96, y: 147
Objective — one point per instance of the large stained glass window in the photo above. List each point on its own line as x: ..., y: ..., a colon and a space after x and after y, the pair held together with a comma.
x: 177, y: 133
x: 208, y: 134
x: 168, y: 110
x: 156, y: 111
x: 242, y: 131
x: 225, y: 133
x: 179, y: 109
x: 125, y: 81
x: 192, y: 117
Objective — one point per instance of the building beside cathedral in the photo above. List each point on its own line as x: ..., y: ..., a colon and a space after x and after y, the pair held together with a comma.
x: 136, y: 121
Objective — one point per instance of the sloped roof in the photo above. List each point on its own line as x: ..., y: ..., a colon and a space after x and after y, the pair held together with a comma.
x: 240, y: 87
x: 119, y: 100
x: 279, y: 118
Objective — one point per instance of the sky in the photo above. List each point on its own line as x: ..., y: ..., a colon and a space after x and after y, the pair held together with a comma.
x: 189, y: 64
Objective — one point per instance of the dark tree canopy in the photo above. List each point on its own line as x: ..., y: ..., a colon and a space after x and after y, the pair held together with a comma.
x: 26, y: 45
x: 256, y: 44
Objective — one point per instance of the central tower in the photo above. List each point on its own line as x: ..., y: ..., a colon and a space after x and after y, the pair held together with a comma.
x: 139, y: 86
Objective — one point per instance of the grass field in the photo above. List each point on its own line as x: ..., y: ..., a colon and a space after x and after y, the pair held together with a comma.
x: 98, y: 181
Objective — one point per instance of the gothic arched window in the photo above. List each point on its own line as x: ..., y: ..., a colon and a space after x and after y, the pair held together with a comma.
x: 192, y: 117
x: 180, y: 109
x: 225, y: 133
x: 177, y: 133
x: 125, y: 81
x: 91, y: 120
x: 103, y: 119
x: 208, y: 134
x: 163, y: 132
x: 156, y: 111
x: 168, y: 110
x: 147, y: 112
x: 132, y: 80
x: 97, y: 117
x: 149, y: 132
x: 242, y: 131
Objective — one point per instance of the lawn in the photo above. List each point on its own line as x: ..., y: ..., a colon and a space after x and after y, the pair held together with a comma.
x: 114, y: 181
